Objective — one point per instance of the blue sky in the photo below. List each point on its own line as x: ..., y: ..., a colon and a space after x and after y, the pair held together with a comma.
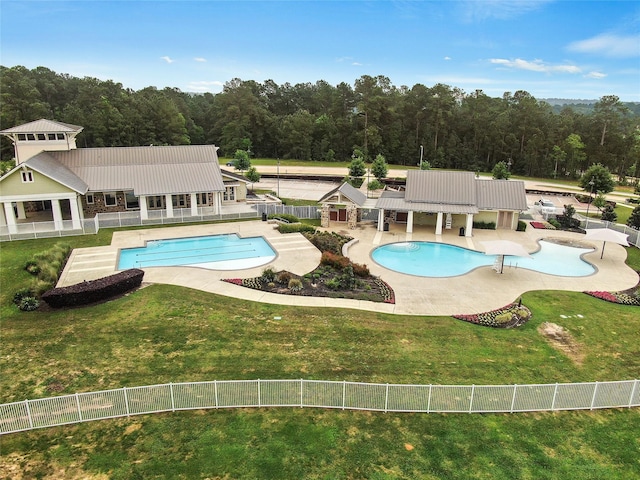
x: 560, y: 49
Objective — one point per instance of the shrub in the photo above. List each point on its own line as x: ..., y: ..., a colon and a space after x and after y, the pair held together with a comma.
x: 20, y: 294
x: 360, y: 270
x: 333, y: 260
x: 375, y: 185
x: 484, y: 225
x: 522, y: 226
x: 29, y: 304
x: 32, y: 267
x: 328, y: 241
x: 268, y: 275
x: 94, y: 290
x: 285, y: 217
x: 283, y: 278
x: 554, y: 222
x: 38, y: 287
x: 296, y: 228
x: 295, y: 285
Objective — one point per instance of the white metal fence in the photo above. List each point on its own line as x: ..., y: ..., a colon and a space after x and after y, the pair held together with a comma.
x: 300, y: 211
x: 124, y: 402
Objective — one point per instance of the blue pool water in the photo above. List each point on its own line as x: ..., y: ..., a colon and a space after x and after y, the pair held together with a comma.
x: 216, y: 252
x: 430, y: 259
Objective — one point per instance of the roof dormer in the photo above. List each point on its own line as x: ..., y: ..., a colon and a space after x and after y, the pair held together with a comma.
x: 41, y: 135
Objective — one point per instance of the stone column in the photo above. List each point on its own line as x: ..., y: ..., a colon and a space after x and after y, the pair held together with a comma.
x: 324, y: 216
x: 352, y: 217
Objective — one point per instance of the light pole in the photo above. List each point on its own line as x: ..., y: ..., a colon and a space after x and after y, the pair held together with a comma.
x: 278, y: 178
x: 591, y: 184
x: 421, y: 152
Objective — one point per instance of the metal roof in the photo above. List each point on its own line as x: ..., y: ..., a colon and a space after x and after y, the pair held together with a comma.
x: 349, y: 191
x: 441, y: 186
x: 501, y: 195
x: 146, y: 170
x: 48, y: 166
x: 396, y: 201
x: 43, y: 126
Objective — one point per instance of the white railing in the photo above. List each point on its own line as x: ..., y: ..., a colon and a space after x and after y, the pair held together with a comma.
x: 300, y: 211
x: 124, y: 402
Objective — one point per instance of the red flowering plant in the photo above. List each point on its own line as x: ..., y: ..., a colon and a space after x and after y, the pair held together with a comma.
x: 617, y: 297
x: 509, y: 316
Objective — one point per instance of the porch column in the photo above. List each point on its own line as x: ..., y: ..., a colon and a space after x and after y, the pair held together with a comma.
x: 22, y: 215
x: 381, y: 220
x: 219, y: 203
x: 168, y: 200
x: 57, y: 214
x: 194, y: 205
x: 10, y: 217
x: 75, y: 213
x: 144, y: 212
x: 3, y: 219
x: 410, y: 221
x: 468, y: 231
x: 439, y: 224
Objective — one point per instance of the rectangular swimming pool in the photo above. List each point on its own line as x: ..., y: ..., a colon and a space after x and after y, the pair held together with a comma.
x: 215, y: 252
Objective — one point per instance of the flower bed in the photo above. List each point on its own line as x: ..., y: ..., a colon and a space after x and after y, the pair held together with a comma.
x: 617, y: 297
x: 509, y: 316
x: 542, y: 225
x: 322, y: 282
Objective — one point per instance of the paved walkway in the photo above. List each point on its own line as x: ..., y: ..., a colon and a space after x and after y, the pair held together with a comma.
x: 478, y: 291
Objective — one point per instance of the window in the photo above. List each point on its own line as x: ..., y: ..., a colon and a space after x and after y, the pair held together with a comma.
x: 22, y: 137
x: 31, y: 136
x: 132, y: 201
x: 42, y: 136
x: 60, y: 136
x: 51, y: 136
x: 27, y: 176
x: 110, y: 199
x: 89, y: 198
x: 155, y: 202
x: 230, y: 193
x: 179, y: 200
x: 202, y: 199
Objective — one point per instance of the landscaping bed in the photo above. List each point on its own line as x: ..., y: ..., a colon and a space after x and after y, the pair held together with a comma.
x: 630, y: 296
x: 509, y: 316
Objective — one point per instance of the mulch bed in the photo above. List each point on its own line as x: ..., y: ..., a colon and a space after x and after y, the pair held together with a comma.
x: 509, y: 316
x: 542, y: 225
x: 631, y: 296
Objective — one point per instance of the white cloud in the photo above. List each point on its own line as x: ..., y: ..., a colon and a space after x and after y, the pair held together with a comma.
x: 447, y: 58
x: 356, y: 64
x: 167, y: 59
x: 205, y: 86
x: 595, y: 75
x: 535, y: 66
x: 200, y: 59
x: 608, y: 45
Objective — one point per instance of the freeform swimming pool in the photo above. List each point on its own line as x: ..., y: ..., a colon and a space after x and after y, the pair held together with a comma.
x: 431, y: 259
x: 215, y: 252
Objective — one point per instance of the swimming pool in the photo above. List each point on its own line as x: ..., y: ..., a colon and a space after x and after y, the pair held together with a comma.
x: 215, y: 252
x: 431, y: 259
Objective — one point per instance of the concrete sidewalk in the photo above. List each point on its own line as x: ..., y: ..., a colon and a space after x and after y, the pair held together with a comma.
x: 478, y: 291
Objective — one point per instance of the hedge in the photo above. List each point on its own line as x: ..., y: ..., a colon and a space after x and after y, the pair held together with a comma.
x: 94, y: 290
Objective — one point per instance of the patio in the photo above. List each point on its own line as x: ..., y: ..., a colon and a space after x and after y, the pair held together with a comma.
x: 480, y: 290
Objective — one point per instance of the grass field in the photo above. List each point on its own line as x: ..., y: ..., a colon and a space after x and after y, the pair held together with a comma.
x: 163, y: 334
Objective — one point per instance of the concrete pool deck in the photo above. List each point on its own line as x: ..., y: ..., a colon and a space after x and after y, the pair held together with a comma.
x: 478, y: 291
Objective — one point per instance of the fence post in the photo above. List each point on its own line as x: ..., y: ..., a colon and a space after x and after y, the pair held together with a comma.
x: 429, y: 400
x: 215, y: 389
x: 473, y: 390
x: 553, y: 402
x: 513, y: 399
x: 633, y: 392
x: 593, y: 398
x: 344, y: 393
x: 301, y: 397
x: 26, y: 404
x: 173, y: 405
x: 259, y: 400
x: 126, y: 400
x: 78, y: 405
x: 386, y: 399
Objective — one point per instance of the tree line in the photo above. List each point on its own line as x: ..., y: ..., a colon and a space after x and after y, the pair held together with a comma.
x: 441, y: 125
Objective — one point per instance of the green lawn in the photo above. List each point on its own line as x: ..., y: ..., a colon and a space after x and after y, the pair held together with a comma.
x: 162, y: 334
